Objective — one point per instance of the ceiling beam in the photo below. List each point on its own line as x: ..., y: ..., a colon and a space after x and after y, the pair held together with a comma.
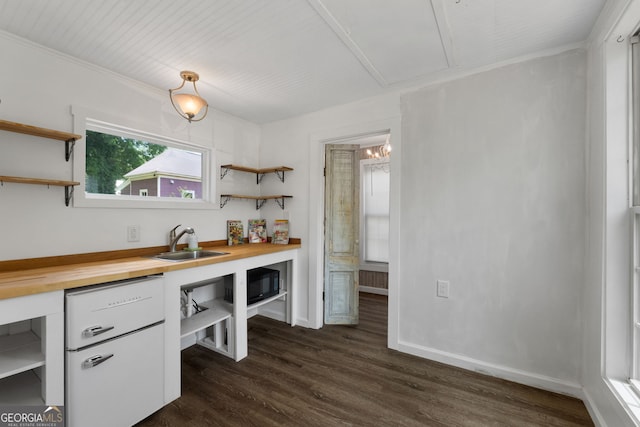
x: 343, y: 34
x: 445, y: 32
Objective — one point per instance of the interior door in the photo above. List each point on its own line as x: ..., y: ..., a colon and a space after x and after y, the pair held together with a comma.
x: 341, y: 253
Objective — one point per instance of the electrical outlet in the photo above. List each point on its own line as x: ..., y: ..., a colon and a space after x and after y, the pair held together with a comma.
x: 133, y: 233
x: 442, y: 288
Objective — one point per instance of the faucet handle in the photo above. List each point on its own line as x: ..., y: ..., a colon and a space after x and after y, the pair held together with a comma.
x: 172, y: 233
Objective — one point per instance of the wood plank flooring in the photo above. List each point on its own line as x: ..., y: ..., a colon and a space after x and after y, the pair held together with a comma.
x: 345, y: 375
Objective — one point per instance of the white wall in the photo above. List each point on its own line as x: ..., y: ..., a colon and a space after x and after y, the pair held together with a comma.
x: 38, y: 87
x: 492, y: 199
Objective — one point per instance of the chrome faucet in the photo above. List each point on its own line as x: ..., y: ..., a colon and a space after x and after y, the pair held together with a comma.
x: 173, y: 239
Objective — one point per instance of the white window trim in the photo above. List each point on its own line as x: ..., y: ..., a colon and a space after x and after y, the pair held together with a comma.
x: 183, y: 192
x: 104, y: 122
x: 382, y: 267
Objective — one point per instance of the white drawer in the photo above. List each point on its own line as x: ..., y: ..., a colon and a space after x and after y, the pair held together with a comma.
x: 98, y: 313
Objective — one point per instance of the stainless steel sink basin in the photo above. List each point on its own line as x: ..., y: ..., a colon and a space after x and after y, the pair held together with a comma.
x: 187, y: 255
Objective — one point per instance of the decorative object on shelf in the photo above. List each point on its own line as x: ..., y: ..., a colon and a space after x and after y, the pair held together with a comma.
x: 280, y: 232
x: 257, y: 231
x: 235, y: 232
x: 380, y: 151
x: 189, y: 105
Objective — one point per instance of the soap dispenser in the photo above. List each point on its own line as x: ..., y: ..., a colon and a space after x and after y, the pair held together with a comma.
x: 192, y: 241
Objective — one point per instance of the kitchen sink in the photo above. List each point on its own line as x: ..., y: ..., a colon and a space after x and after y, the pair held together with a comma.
x: 187, y: 255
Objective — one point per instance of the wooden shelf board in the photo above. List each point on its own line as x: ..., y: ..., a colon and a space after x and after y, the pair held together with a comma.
x: 38, y: 131
x: 19, y: 353
x: 38, y: 181
x: 21, y: 389
x: 258, y: 170
x: 217, y: 312
x: 240, y: 196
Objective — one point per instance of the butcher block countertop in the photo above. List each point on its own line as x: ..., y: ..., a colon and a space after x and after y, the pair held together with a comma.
x: 38, y: 275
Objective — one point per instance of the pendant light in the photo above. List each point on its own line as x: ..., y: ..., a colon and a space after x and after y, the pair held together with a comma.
x: 189, y: 105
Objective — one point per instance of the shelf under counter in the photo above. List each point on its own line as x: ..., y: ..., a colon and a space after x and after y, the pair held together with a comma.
x: 217, y: 311
x: 255, y: 305
x: 19, y: 353
x: 24, y: 388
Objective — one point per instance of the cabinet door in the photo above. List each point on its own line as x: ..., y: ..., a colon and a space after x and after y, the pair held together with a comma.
x: 125, y: 388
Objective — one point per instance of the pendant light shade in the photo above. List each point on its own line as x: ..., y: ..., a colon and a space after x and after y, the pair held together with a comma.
x: 190, y: 106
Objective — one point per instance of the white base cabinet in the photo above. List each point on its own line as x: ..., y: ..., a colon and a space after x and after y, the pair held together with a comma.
x: 32, y: 350
x: 222, y: 327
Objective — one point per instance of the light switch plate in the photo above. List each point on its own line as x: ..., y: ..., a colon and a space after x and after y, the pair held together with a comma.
x: 442, y: 288
x: 133, y: 233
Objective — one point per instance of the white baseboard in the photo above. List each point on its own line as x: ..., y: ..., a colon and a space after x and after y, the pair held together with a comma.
x: 372, y: 290
x: 593, y: 410
x: 503, y: 372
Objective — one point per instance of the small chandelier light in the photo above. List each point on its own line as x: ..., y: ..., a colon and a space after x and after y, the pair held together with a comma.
x: 186, y: 104
x: 381, y: 151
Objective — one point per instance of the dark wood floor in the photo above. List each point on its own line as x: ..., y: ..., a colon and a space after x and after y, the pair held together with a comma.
x: 342, y: 375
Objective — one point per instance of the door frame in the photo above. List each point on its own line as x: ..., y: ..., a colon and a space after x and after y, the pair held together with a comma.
x: 316, y: 215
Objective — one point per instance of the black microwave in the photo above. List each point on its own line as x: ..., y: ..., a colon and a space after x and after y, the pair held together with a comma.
x: 261, y: 283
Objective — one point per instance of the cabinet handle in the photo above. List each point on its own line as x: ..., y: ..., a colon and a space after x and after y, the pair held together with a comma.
x: 95, y: 330
x: 96, y: 360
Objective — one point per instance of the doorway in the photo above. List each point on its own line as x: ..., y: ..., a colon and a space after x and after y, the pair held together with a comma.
x: 356, y: 223
x: 315, y: 247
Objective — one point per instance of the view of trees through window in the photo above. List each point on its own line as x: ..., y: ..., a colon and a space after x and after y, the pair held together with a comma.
x: 124, y: 166
x: 110, y: 157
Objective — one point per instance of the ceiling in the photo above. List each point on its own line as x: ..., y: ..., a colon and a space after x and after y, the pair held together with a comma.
x: 268, y: 60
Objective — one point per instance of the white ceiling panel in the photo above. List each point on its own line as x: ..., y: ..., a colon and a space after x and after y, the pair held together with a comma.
x: 269, y: 60
x: 489, y: 31
x: 383, y: 33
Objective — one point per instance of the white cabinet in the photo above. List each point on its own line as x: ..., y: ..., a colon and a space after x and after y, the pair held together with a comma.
x: 222, y: 327
x: 31, y: 350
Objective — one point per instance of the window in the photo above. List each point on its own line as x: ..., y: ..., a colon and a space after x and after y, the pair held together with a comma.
x: 119, y: 166
x: 635, y: 210
x: 374, y: 175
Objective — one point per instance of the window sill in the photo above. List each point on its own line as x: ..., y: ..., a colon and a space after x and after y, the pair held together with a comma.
x: 628, y: 398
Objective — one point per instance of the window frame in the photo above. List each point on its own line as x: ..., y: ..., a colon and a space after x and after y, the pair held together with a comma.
x: 364, y: 264
x: 105, y: 123
x: 634, y: 180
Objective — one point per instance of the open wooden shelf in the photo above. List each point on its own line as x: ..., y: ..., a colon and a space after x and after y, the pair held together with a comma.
x: 69, y: 140
x: 38, y: 181
x: 260, y: 200
x: 68, y: 185
x: 38, y: 131
x: 260, y: 172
